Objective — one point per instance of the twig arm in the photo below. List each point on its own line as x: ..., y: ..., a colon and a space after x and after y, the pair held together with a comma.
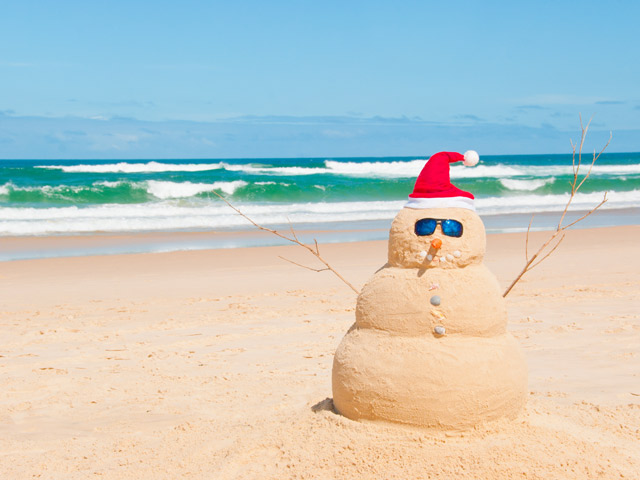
x: 527, y: 265
x: 534, y: 265
x: 545, y: 250
x: 304, y: 266
x: 315, y: 252
x: 526, y: 246
x: 602, y: 202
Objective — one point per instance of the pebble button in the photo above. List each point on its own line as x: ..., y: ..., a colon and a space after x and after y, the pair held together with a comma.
x: 435, y: 300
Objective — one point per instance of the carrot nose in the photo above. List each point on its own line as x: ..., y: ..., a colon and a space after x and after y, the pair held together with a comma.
x: 436, y: 243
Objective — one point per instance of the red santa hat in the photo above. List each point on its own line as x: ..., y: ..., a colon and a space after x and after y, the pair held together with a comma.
x: 433, y: 187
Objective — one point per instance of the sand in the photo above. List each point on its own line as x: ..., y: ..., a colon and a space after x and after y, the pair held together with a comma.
x: 217, y: 364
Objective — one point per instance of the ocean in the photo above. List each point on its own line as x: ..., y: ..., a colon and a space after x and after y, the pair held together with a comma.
x: 89, y: 197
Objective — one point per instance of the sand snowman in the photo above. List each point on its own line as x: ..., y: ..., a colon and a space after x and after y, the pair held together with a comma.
x: 430, y: 345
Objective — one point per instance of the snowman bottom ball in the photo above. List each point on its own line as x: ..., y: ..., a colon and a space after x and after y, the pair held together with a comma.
x: 451, y: 383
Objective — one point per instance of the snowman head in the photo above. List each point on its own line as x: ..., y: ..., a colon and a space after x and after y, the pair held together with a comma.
x: 438, y: 226
x: 436, y: 238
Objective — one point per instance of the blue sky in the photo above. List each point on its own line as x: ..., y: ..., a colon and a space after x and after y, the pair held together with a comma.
x: 197, y: 79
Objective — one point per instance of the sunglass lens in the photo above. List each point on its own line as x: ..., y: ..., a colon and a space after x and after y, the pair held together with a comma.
x: 452, y: 228
x: 426, y: 226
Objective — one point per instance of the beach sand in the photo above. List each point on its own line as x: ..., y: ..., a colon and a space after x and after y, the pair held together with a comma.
x: 216, y: 364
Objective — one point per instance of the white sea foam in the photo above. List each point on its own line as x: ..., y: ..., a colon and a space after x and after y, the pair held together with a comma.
x: 123, y: 167
x: 526, y: 185
x: 269, y: 170
x: 376, y: 169
x: 228, y: 187
x: 616, y: 169
x: 164, y: 190
x: 555, y: 170
x: 159, y: 189
x: 49, y: 190
x: 108, y: 184
x: 392, y: 169
x: 551, y: 203
x: 173, y: 215
x: 169, y: 216
x: 411, y: 169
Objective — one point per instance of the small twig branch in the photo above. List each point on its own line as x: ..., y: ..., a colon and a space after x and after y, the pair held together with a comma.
x: 304, y: 266
x: 575, y: 186
x: 534, y: 265
x: 526, y: 246
x: 527, y: 266
x: 294, y: 239
x: 293, y: 232
x: 549, y: 247
x: 595, y: 157
x: 573, y: 156
x: 602, y: 202
x: 576, y: 167
x: 583, y: 136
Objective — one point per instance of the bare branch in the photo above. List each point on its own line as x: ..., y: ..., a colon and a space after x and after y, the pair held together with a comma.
x: 293, y: 232
x: 304, y: 266
x: 604, y: 200
x: 260, y: 227
x: 547, y: 248
x: 533, y: 265
x: 526, y: 246
x: 595, y: 157
x: 315, y: 253
x: 573, y: 156
x: 583, y: 137
x: 575, y: 186
x: 527, y: 266
x: 604, y: 148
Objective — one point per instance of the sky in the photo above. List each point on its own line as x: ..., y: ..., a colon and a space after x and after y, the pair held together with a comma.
x: 222, y: 79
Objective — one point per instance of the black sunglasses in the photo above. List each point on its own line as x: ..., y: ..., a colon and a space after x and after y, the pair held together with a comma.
x: 426, y: 226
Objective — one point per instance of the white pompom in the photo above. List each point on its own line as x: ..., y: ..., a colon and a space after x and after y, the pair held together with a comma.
x: 471, y: 158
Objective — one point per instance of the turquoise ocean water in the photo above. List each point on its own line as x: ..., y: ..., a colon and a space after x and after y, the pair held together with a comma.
x: 62, y: 197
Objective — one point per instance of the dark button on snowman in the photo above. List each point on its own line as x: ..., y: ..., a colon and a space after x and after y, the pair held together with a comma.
x: 429, y: 346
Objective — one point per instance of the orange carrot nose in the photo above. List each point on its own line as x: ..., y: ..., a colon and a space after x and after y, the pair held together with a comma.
x: 436, y: 243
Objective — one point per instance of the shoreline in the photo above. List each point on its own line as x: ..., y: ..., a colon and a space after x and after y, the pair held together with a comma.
x: 14, y: 248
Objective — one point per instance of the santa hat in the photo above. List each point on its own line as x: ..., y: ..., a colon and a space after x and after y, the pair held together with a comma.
x: 433, y: 187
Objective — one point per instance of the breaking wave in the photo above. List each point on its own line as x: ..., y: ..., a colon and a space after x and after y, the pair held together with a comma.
x: 171, y: 215
x: 375, y: 169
